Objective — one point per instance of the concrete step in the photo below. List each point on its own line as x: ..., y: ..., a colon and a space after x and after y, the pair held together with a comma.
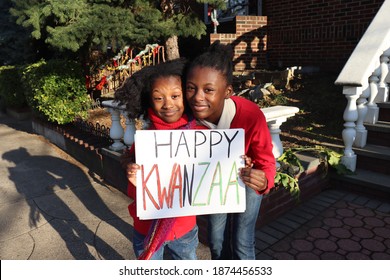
x: 379, y: 133
x: 374, y: 158
x: 384, y: 111
x: 365, y: 181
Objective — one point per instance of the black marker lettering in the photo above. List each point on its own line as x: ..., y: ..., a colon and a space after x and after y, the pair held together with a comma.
x: 230, y: 141
x: 167, y: 144
x: 211, y: 140
x: 187, y: 186
x: 182, y: 136
x: 196, y: 140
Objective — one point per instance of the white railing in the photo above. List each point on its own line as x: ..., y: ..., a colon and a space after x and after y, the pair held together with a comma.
x: 121, y: 137
x: 276, y: 116
x: 365, y: 79
x: 124, y: 136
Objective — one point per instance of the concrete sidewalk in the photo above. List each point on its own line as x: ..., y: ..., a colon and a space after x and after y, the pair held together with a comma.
x: 52, y: 208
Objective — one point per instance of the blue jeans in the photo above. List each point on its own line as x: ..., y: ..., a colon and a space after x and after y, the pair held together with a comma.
x: 183, y: 248
x: 232, y: 236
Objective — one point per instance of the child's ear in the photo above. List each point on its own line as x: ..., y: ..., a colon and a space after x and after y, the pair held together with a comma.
x: 229, y: 91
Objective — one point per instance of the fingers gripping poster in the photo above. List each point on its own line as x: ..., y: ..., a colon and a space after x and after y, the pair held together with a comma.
x: 189, y: 172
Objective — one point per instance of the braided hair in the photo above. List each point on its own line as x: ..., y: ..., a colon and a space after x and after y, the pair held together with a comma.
x: 219, y: 57
x: 135, y: 92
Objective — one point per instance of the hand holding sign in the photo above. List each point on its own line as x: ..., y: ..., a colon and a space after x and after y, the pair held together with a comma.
x: 131, y: 170
x: 254, y: 178
x: 189, y: 172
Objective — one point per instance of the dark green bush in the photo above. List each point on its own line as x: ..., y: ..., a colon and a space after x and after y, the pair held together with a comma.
x: 56, y: 90
x: 11, y: 90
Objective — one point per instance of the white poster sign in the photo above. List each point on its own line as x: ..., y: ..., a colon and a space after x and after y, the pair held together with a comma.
x: 189, y: 172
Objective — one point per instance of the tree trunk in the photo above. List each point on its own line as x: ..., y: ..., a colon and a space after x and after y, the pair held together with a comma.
x: 172, y: 48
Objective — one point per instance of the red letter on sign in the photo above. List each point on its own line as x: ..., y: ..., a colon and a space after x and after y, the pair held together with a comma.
x: 176, y: 175
x: 145, y: 188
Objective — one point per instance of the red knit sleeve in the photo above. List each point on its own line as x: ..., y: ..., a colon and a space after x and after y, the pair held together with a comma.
x: 264, y: 159
x: 131, y: 190
x: 258, y: 142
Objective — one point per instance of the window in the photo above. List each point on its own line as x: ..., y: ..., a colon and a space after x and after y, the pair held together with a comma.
x: 233, y: 8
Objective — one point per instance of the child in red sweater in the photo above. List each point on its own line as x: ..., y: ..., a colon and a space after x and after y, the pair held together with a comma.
x: 156, y: 92
x: 209, y: 93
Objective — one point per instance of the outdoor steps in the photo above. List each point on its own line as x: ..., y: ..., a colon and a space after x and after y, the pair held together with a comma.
x: 372, y: 173
x: 375, y: 158
x: 379, y: 133
x: 365, y: 181
x: 384, y: 111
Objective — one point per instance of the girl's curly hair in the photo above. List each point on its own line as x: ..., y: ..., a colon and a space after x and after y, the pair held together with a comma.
x: 135, y: 92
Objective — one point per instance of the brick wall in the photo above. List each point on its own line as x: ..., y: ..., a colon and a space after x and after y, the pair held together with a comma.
x: 249, y: 42
x: 318, y: 33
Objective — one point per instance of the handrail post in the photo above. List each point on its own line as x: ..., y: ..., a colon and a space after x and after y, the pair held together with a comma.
x: 116, y: 130
x: 349, y: 132
x: 128, y: 137
x: 383, y: 91
x: 361, y: 131
x: 373, y: 110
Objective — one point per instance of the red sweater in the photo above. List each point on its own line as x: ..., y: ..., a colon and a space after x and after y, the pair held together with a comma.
x: 182, y: 224
x: 258, y: 142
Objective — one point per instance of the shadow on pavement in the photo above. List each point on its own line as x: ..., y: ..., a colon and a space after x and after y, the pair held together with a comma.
x: 48, y: 183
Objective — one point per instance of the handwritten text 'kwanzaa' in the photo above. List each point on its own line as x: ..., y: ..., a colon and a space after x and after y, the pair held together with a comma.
x: 189, y: 172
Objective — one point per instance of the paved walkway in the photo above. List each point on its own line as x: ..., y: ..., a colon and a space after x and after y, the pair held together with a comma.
x: 333, y: 225
x: 51, y: 207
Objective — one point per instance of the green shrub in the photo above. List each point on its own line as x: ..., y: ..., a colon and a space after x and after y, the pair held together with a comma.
x: 11, y: 90
x: 56, y: 90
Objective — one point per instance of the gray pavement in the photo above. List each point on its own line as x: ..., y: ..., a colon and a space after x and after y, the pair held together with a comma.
x: 51, y: 208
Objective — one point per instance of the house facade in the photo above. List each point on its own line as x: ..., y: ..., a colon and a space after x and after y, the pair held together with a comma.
x: 278, y: 34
